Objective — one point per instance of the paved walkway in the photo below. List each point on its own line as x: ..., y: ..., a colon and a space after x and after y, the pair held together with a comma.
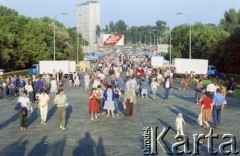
x: 105, y: 136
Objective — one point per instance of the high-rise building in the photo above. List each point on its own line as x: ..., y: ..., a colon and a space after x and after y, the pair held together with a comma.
x: 88, y: 18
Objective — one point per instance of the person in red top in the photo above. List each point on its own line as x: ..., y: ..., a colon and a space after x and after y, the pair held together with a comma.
x: 142, y: 73
x: 93, y: 103
x: 206, y: 109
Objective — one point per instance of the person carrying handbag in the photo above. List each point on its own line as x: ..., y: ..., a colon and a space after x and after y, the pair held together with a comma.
x: 23, y: 113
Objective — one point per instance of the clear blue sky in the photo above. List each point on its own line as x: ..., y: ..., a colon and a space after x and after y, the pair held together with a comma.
x: 133, y: 12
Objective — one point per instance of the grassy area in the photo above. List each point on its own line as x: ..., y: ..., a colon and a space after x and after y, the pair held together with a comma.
x: 237, y: 90
x: 237, y: 93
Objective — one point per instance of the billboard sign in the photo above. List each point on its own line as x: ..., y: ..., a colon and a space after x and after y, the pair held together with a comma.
x: 113, y: 39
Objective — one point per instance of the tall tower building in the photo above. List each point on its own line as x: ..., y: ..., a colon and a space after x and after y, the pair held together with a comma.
x: 88, y: 17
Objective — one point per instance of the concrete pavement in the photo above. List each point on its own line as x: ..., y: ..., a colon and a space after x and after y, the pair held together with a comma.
x: 106, y: 136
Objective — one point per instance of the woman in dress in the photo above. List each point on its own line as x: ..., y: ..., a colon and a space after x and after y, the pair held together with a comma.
x: 154, y: 87
x: 87, y: 81
x: 77, y: 81
x: 206, y: 109
x: 109, y: 96
x: 93, y: 103
x: 43, y: 106
x: 54, y: 88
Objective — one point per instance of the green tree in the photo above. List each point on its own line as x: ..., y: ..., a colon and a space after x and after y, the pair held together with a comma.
x: 231, y: 20
x: 120, y: 27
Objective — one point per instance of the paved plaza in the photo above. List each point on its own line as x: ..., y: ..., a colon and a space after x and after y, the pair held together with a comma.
x: 107, y: 136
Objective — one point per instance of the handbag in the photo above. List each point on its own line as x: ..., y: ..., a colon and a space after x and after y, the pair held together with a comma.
x: 24, y: 111
x: 200, y: 119
x: 124, y: 105
x: 17, y: 106
x: 225, y: 102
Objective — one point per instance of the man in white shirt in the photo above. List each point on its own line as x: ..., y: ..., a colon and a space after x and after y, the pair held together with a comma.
x: 211, y: 88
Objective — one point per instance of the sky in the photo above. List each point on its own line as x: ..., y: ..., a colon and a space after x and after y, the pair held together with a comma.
x: 132, y: 12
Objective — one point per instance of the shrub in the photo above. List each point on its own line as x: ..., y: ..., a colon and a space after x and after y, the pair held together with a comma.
x: 19, y: 72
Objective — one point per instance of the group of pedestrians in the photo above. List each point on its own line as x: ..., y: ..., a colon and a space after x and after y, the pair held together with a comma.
x: 60, y: 100
x: 114, y: 81
x: 212, y: 104
x: 31, y: 90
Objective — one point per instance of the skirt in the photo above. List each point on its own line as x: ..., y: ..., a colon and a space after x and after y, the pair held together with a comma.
x: 206, y: 115
x: 109, y: 105
x: 93, y: 106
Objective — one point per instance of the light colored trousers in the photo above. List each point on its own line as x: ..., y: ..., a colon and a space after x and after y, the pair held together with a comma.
x: 180, y: 130
x: 61, y: 112
x: 43, y: 112
x: 87, y: 85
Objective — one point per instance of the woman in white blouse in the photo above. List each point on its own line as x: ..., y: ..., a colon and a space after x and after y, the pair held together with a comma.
x: 43, y: 105
x: 24, y: 100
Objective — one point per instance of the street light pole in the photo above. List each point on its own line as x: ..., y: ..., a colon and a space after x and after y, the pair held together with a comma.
x: 170, y: 46
x: 190, y: 33
x: 77, y: 46
x: 54, y: 35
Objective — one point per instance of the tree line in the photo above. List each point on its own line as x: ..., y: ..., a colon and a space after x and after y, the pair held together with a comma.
x: 25, y: 41
x: 220, y: 44
x: 139, y: 35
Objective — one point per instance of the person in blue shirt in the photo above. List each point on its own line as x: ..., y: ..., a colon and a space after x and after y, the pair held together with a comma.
x: 218, y: 106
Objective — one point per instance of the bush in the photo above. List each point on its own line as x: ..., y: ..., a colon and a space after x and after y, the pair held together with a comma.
x: 19, y: 72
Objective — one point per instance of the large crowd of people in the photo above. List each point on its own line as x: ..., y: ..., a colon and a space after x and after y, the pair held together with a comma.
x: 114, y: 79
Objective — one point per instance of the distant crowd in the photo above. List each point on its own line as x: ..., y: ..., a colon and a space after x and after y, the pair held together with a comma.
x: 114, y: 80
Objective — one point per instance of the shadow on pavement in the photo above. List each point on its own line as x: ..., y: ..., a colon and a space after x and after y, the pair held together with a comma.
x: 165, y: 124
x: 121, y: 109
x: 33, y: 117
x: 88, y: 147
x: 189, y: 116
x: 10, y: 120
x: 57, y: 148
x: 69, y: 111
x: 184, y: 98
x: 40, y: 148
x: 16, y: 148
x: 51, y: 112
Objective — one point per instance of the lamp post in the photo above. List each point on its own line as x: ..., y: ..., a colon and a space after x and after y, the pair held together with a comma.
x: 170, y: 46
x: 54, y: 35
x: 190, y: 32
x: 77, y: 46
